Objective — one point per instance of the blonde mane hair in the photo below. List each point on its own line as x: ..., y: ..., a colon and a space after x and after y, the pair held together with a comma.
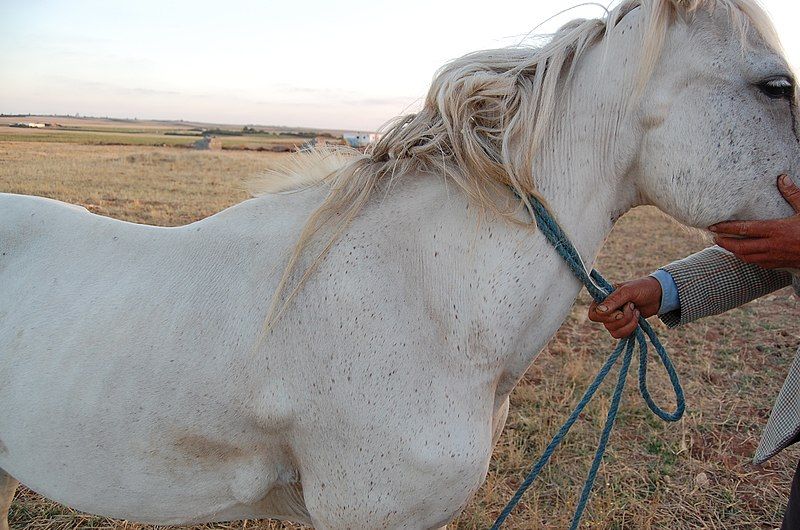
x: 481, y: 124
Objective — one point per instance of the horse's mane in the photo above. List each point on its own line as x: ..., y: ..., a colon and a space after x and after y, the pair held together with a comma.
x: 481, y: 123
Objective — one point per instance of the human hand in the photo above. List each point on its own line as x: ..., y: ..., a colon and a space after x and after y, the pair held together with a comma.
x: 773, y: 244
x: 620, y: 312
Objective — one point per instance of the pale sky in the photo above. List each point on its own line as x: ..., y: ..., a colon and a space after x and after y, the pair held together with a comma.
x: 305, y: 63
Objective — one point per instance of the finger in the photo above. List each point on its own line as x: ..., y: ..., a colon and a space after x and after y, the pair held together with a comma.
x: 620, y: 320
x: 744, y: 228
x: 592, y: 312
x: 627, y: 330
x: 789, y: 191
x: 615, y: 300
x: 614, y: 327
x: 626, y: 316
x: 596, y: 316
x: 612, y: 318
x: 743, y: 247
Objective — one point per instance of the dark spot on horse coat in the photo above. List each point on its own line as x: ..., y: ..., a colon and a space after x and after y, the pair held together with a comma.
x: 196, y: 447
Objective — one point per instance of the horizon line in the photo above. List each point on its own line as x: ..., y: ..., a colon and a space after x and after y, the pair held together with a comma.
x: 179, y: 120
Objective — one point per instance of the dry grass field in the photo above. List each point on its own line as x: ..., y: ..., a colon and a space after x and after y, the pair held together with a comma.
x: 106, y: 131
x: 693, y: 474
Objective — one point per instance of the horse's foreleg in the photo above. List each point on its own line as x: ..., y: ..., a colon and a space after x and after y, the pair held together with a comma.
x: 499, y: 421
x: 8, y: 485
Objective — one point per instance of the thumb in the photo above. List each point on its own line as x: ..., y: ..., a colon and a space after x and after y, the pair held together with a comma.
x: 789, y: 191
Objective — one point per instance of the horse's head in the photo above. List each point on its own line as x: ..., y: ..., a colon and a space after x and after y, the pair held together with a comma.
x: 718, y: 115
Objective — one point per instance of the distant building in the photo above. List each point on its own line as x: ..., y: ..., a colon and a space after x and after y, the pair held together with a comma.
x: 208, y: 143
x: 29, y: 125
x: 360, y: 139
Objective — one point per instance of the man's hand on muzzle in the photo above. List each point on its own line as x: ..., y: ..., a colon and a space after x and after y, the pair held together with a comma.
x: 773, y: 244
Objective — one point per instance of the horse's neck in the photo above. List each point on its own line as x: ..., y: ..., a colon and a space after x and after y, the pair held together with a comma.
x: 588, y: 184
x: 493, y: 291
x: 533, y: 290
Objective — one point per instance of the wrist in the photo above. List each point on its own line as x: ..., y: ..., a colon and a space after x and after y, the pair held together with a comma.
x: 668, y: 298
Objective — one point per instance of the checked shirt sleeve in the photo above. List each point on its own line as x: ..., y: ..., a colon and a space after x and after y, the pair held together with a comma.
x: 713, y: 281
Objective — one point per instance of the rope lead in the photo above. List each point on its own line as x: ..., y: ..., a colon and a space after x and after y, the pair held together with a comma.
x: 599, y: 288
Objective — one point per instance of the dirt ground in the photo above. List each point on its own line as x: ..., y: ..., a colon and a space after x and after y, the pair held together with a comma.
x: 692, y: 474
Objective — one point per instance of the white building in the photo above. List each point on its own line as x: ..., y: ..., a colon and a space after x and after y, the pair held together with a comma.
x: 360, y: 139
x: 29, y: 125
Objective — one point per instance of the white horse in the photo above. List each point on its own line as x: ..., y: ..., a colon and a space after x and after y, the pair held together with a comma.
x: 138, y: 379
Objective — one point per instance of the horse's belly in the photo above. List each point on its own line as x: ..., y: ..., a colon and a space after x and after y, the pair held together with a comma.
x: 132, y: 434
x: 129, y: 437
x: 186, y: 480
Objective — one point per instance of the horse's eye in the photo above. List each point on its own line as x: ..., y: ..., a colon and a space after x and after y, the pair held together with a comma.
x: 778, y: 87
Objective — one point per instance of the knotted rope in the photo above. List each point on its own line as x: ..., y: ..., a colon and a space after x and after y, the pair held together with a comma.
x: 599, y: 288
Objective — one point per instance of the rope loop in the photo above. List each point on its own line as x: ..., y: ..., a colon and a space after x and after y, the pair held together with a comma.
x: 599, y: 288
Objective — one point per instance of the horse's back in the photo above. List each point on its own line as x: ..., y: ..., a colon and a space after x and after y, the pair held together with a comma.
x: 56, y: 256
x: 118, y: 346
x: 24, y: 218
x: 17, y: 207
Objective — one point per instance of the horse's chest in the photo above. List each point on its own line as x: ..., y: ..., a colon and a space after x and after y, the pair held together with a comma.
x: 396, y: 488
x: 414, y: 463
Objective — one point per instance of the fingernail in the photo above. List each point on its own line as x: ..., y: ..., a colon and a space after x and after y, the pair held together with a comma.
x: 618, y: 317
x: 713, y: 228
x: 630, y: 305
x: 637, y: 313
x: 602, y: 308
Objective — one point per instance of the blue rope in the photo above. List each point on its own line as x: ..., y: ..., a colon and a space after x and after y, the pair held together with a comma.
x: 599, y: 288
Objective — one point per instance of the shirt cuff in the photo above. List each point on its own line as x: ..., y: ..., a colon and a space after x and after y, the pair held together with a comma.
x: 669, y: 292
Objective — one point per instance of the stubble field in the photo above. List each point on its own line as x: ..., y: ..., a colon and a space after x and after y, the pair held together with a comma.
x: 693, y: 474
